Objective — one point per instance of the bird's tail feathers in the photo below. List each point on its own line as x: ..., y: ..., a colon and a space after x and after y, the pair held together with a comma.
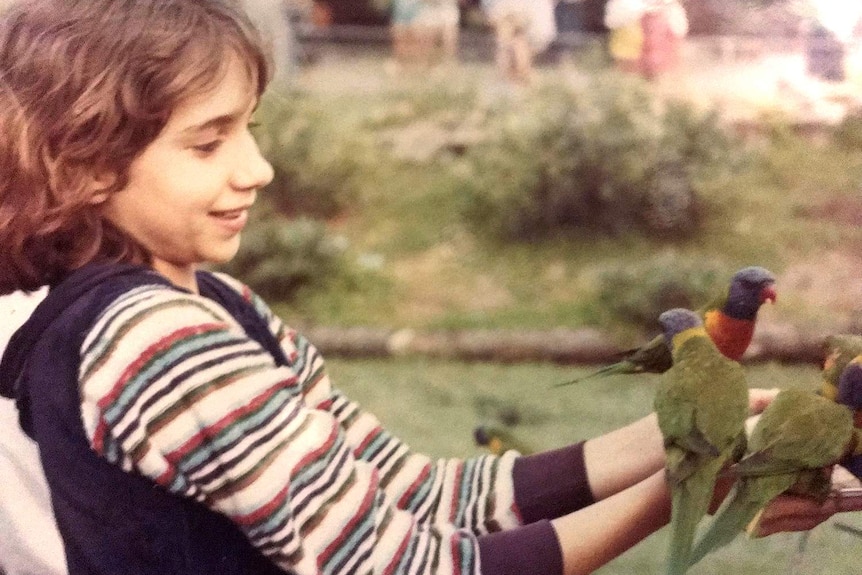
x: 688, y: 509
x: 621, y: 367
x: 690, y: 502
x: 729, y: 521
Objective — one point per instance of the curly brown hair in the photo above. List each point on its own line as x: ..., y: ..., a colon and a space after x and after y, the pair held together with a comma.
x: 85, y: 86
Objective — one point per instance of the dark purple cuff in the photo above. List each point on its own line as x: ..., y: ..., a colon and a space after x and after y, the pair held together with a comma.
x: 532, y: 549
x: 552, y: 483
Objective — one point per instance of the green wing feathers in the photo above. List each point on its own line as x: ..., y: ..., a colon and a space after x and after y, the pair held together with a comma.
x: 796, y: 436
x: 652, y: 357
x: 744, y: 502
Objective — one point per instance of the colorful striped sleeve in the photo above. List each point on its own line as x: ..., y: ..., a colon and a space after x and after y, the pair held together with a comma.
x: 172, y: 388
x: 475, y: 493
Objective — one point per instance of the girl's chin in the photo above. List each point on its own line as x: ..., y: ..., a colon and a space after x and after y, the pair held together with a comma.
x: 224, y: 253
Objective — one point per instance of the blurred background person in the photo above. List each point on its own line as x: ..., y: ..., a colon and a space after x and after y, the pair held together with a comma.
x: 665, y: 25
x: 423, y: 32
x: 522, y: 30
x: 439, y: 22
x: 646, y: 35
x: 277, y: 21
x: 625, y: 44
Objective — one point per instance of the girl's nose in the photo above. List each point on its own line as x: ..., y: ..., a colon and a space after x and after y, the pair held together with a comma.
x: 252, y: 170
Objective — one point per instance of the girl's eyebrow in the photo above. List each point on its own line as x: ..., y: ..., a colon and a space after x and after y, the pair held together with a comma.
x: 217, y: 123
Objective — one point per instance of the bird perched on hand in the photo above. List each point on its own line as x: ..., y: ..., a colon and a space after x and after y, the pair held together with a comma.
x: 702, y: 404
x: 838, y: 351
x: 850, y: 395
x: 729, y: 319
x: 498, y: 440
x: 795, y: 441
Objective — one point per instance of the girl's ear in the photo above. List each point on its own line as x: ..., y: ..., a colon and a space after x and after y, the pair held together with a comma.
x: 101, y: 188
x: 99, y: 198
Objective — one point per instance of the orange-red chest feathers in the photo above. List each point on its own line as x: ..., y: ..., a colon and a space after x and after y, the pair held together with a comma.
x: 731, y: 336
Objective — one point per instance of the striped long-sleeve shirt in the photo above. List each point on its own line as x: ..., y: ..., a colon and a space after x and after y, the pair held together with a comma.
x: 172, y: 388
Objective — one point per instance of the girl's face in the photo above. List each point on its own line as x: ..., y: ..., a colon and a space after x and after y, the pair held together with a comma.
x: 189, y: 191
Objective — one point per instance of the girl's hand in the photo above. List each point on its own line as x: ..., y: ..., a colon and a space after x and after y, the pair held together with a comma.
x: 796, y: 513
x: 759, y: 399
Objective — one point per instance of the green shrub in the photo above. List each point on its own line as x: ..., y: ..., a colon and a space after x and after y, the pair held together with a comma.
x: 608, y: 158
x: 278, y: 256
x: 848, y: 132
x: 638, y: 294
x: 437, y: 100
x: 316, y: 161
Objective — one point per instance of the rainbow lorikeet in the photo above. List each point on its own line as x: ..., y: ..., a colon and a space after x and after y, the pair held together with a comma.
x: 498, y: 440
x: 850, y: 394
x: 795, y: 441
x: 838, y: 351
x: 729, y: 320
x: 702, y: 405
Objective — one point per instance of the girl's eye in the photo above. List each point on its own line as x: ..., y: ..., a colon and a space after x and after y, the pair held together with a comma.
x: 207, y: 147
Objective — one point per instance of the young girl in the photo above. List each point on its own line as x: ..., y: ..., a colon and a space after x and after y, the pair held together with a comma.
x: 182, y: 427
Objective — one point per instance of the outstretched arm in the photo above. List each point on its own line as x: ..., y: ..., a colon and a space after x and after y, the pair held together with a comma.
x: 624, y: 457
x: 591, y: 537
x: 625, y: 471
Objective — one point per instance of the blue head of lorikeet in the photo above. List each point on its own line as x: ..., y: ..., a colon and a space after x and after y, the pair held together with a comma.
x: 850, y: 394
x: 498, y: 440
x: 750, y: 288
x: 677, y: 320
x: 838, y: 351
x: 730, y: 323
x: 850, y: 388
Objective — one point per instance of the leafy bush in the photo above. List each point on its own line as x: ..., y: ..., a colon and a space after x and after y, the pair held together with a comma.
x: 608, y: 158
x: 316, y: 161
x: 638, y: 294
x: 278, y: 256
x: 848, y: 133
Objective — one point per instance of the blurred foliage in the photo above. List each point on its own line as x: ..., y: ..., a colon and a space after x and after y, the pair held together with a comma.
x: 316, y: 162
x: 637, y: 294
x: 607, y: 158
x: 317, y: 166
x: 280, y: 256
x: 766, y: 3
x: 445, y: 103
x: 596, y: 174
x: 848, y: 132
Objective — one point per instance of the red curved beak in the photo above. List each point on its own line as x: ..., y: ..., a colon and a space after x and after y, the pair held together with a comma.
x: 768, y: 294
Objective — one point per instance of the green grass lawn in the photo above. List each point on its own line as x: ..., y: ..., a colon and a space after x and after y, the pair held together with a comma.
x: 434, y: 406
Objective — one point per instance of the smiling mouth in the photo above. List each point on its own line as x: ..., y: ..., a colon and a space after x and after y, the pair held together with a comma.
x: 229, y: 214
x: 232, y: 221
